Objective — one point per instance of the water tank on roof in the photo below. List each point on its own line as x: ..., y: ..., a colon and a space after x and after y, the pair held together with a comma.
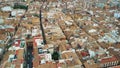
x: 6, y: 8
x: 92, y: 53
x: 117, y: 15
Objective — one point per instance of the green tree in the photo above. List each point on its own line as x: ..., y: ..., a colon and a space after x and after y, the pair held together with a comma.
x: 55, y: 55
x: 19, y: 6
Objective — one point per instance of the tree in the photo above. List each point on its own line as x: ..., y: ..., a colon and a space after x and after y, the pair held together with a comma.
x: 55, y: 55
x: 19, y: 6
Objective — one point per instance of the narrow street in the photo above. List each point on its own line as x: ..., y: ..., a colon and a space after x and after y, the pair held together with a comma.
x: 29, y: 56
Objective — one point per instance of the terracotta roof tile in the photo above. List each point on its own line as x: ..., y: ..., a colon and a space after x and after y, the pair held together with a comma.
x: 105, y: 60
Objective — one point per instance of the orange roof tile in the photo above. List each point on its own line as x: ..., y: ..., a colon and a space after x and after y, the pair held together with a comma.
x: 105, y: 60
x: 116, y: 66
